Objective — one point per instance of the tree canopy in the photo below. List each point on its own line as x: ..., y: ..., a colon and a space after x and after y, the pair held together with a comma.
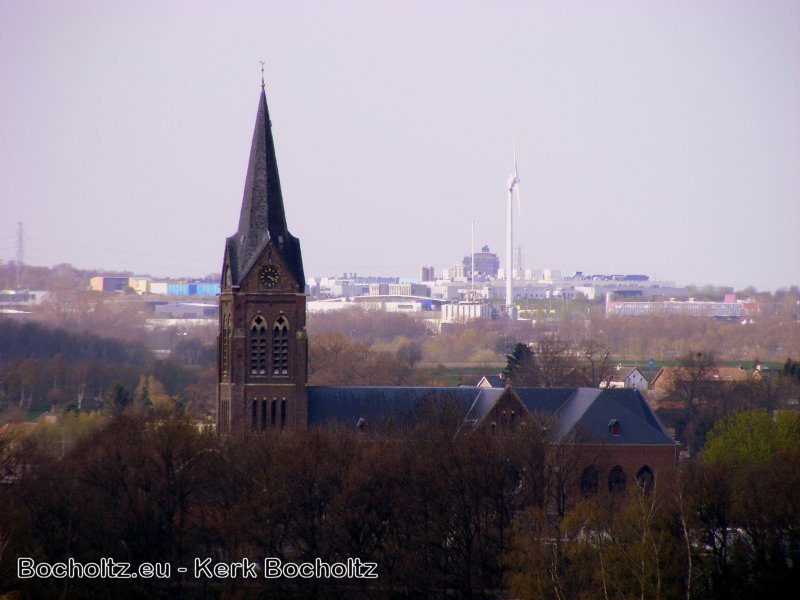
x: 750, y: 437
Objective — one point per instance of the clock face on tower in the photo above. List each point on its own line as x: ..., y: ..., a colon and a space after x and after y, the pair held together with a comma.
x: 269, y: 276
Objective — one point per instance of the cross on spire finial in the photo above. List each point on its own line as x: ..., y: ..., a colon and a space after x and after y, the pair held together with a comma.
x: 262, y: 74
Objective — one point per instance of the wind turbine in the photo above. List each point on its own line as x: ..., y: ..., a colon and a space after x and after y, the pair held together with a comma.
x: 513, y: 185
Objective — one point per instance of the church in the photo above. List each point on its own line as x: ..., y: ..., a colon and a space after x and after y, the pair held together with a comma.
x: 263, y: 360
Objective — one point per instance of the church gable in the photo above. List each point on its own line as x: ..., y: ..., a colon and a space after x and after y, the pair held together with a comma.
x: 270, y: 272
x: 507, y: 413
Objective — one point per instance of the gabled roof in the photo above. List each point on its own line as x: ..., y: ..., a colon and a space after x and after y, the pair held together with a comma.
x: 485, y: 400
x: 262, y: 218
x: 573, y: 410
x: 733, y: 374
x: 544, y: 400
x: 582, y: 415
x: 381, y: 404
x: 623, y: 373
x: 494, y: 381
x: 667, y: 377
x: 587, y: 420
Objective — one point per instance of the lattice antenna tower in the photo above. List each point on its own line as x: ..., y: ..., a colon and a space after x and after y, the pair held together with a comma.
x: 20, y: 245
x: 20, y: 263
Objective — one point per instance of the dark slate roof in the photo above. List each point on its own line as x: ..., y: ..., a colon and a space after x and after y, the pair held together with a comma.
x: 544, y: 400
x: 582, y: 414
x: 262, y: 217
x: 380, y: 404
x: 484, y: 401
x: 589, y: 420
x: 572, y: 411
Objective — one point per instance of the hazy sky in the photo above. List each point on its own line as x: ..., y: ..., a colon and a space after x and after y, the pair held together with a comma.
x: 652, y: 137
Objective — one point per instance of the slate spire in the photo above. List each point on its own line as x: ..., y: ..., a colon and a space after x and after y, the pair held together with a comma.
x: 262, y: 205
x: 262, y: 217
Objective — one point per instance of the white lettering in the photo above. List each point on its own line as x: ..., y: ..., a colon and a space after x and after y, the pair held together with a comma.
x: 201, y: 568
x: 25, y: 568
x: 272, y: 568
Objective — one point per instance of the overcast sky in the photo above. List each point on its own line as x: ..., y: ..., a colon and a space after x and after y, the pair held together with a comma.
x: 652, y: 137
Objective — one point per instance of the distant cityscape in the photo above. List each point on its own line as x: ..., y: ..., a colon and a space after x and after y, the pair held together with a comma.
x: 471, y: 289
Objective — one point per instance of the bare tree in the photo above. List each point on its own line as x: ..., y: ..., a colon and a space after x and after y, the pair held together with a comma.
x: 598, y: 367
x: 695, y: 369
x: 554, y: 360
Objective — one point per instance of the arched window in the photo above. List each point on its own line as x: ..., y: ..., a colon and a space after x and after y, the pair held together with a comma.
x: 616, y: 480
x: 283, y: 413
x: 263, y: 415
x: 646, y: 479
x: 589, y: 481
x: 254, y: 415
x: 280, y: 346
x: 272, y: 413
x: 258, y: 346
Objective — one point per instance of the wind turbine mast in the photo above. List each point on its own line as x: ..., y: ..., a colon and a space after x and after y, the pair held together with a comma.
x: 513, y: 185
x: 472, y: 268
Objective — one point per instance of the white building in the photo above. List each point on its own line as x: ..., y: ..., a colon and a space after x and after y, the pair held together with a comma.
x: 533, y: 275
x: 465, y: 311
x: 628, y: 377
x: 552, y: 274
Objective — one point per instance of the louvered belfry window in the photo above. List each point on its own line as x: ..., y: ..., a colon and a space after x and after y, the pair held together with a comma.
x: 280, y: 346
x: 258, y: 346
x: 226, y: 344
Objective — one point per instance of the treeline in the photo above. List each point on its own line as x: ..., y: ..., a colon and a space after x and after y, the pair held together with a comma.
x: 59, y: 277
x: 773, y: 335
x: 441, y: 516
x: 64, y: 276
x: 698, y: 397
x: 35, y: 340
x: 769, y: 337
x: 44, y: 367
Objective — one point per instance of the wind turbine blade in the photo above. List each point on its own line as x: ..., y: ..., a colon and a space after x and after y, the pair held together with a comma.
x: 516, y: 173
x: 514, y: 146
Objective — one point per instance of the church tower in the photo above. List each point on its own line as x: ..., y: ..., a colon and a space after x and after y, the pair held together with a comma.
x: 263, y: 349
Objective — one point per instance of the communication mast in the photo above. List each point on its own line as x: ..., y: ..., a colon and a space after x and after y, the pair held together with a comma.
x: 20, y: 263
x: 513, y: 185
x: 20, y: 245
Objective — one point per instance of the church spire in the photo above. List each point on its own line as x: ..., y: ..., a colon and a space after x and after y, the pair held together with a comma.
x: 262, y: 205
x: 262, y: 218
